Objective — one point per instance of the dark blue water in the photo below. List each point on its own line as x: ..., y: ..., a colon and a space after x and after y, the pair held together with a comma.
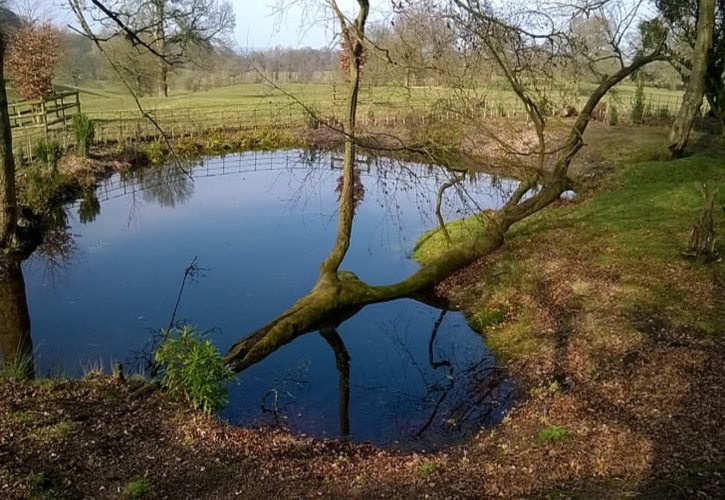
x: 260, y: 223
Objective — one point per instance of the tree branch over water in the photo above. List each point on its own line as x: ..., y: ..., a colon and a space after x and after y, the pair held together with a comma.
x: 339, y: 294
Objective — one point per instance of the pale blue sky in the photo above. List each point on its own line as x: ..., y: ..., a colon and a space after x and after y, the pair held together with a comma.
x: 259, y: 23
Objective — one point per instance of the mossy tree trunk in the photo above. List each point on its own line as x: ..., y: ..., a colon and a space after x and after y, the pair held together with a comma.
x: 692, y: 100
x: 337, y: 295
x: 8, y: 201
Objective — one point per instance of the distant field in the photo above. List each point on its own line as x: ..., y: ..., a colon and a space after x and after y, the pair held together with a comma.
x: 104, y: 97
x: 249, y: 106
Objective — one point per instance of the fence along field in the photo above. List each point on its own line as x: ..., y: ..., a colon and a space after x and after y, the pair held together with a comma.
x: 49, y: 120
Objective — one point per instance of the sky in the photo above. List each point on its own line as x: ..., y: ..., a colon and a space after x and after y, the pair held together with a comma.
x: 260, y: 24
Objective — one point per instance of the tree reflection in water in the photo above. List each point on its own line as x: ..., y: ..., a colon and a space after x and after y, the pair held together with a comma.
x: 48, y: 237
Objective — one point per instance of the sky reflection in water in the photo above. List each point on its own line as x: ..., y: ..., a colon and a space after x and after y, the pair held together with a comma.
x: 260, y: 224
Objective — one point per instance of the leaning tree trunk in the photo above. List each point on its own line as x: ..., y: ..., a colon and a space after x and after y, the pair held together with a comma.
x: 8, y: 202
x: 338, y: 294
x: 16, y: 345
x: 692, y: 100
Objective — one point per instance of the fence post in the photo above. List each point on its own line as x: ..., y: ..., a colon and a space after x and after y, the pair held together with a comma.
x: 44, y: 118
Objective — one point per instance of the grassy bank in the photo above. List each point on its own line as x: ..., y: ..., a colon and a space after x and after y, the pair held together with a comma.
x: 615, y: 338
x: 638, y: 223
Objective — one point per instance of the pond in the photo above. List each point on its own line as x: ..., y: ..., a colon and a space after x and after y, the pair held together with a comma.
x: 259, y: 225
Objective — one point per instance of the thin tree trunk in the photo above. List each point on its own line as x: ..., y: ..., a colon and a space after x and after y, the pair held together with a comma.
x: 692, y: 100
x: 342, y: 362
x: 163, y: 79
x: 8, y: 201
x: 346, y: 209
x: 161, y: 48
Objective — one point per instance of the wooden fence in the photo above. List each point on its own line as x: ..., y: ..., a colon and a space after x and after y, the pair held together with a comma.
x: 32, y: 121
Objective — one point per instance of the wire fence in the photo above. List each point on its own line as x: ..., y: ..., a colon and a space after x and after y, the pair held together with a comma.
x: 130, y: 126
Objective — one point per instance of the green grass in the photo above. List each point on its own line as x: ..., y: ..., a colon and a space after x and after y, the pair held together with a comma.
x: 647, y: 211
x: 137, y: 488
x: 109, y: 96
x: 54, y: 432
x: 425, y: 470
x: 636, y: 226
x: 552, y: 433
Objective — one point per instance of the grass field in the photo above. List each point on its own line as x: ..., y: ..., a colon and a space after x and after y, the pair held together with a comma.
x: 261, y: 105
x: 103, y: 96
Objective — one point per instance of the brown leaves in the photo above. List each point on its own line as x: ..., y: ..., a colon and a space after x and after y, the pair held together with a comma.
x: 32, y: 55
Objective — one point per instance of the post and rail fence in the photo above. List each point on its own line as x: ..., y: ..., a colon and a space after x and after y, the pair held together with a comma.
x: 43, y: 119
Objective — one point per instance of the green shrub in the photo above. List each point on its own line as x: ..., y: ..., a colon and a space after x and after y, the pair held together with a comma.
x: 553, y: 433
x: 156, y: 152
x: 42, y: 188
x: 425, y: 470
x: 85, y: 131
x: 638, y: 104
x: 137, y: 488
x: 48, y: 152
x: 193, y: 370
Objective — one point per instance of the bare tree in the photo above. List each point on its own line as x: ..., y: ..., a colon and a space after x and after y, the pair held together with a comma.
x: 521, y: 43
x: 167, y: 29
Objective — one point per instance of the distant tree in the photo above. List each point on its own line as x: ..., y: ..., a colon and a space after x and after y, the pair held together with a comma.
x: 166, y: 29
x: 34, y: 51
x: 79, y: 61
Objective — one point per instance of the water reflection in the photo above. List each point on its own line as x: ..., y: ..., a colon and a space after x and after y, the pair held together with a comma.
x: 260, y: 223
x: 89, y: 207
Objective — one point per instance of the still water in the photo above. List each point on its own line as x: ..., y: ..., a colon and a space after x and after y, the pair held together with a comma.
x: 259, y: 225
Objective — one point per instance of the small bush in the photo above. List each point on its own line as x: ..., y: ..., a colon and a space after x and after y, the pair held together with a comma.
x: 137, y: 488
x: 48, y: 152
x: 156, y: 152
x: 638, y: 105
x: 193, y: 370
x: 553, y: 433
x: 425, y: 470
x: 85, y: 131
x: 41, y: 188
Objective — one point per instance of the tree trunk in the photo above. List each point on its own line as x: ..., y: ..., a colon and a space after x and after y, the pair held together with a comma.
x: 16, y: 345
x: 338, y: 295
x: 342, y: 362
x: 163, y: 85
x: 346, y: 208
x: 163, y: 79
x: 8, y: 202
x: 692, y: 100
